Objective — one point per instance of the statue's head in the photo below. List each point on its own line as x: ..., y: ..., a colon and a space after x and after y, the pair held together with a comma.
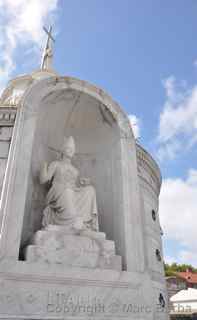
x: 69, y: 147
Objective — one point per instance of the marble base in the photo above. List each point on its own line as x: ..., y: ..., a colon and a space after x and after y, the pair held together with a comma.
x: 32, y: 291
x: 88, y: 249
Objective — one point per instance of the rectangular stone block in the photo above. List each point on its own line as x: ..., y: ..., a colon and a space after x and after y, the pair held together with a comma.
x: 3, y: 163
x: 5, y: 133
x: 4, y: 149
x: 7, y: 116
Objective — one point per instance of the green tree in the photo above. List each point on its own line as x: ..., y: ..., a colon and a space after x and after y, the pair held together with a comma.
x: 171, y: 269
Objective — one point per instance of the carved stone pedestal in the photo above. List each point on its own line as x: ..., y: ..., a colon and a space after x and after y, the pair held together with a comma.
x: 89, y: 249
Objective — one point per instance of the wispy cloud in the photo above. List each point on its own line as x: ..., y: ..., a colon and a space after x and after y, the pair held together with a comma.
x: 195, y: 62
x: 178, y: 215
x: 135, y: 124
x: 21, y: 23
x: 178, y: 119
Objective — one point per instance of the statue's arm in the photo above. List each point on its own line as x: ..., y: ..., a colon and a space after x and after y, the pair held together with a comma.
x: 47, y: 172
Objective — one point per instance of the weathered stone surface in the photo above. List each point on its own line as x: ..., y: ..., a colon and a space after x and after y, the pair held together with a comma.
x: 81, y: 294
x: 3, y: 163
x: 6, y: 133
x: 4, y: 149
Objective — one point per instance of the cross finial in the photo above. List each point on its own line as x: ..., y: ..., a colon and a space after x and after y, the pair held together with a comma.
x: 47, y: 57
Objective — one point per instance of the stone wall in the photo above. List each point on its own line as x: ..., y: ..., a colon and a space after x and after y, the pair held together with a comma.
x: 150, y: 184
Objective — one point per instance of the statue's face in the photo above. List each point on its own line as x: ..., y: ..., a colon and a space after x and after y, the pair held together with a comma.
x: 69, y: 147
x: 69, y: 151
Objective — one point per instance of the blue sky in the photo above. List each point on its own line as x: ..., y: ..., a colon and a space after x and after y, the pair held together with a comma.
x: 144, y: 54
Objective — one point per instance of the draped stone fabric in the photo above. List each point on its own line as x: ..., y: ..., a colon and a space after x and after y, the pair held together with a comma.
x: 67, y: 200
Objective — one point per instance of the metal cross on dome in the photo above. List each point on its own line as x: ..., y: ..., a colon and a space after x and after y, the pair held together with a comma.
x: 47, y: 57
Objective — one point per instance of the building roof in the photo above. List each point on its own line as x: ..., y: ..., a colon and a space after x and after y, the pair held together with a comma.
x: 185, y: 295
x: 174, y: 277
x: 189, y: 276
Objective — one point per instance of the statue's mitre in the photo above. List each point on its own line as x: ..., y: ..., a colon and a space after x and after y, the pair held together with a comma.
x: 69, y: 142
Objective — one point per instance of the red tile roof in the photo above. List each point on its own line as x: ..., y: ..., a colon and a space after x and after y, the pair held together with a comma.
x: 189, y: 276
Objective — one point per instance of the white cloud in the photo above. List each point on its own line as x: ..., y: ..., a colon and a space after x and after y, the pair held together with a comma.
x: 188, y: 257
x: 178, y: 214
x: 21, y: 23
x: 195, y: 63
x: 178, y: 120
x: 169, y: 259
x: 169, y: 149
x: 135, y: 124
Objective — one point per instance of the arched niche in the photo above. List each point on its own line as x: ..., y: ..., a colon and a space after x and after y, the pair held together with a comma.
x: 68, y: 112
x: 106, y: 152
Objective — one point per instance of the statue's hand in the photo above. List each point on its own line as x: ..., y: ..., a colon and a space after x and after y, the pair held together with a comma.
x: 85, y: 181
x: 78, y: 224
x: 47, y: 171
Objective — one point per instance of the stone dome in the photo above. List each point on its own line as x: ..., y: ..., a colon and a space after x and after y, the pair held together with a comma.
x: 16, y: 87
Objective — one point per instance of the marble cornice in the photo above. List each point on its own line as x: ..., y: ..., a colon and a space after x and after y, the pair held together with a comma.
x: 7, y: 115
x: 146, y: 164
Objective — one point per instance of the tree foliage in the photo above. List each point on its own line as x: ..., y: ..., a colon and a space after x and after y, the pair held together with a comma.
x: 171, y: 269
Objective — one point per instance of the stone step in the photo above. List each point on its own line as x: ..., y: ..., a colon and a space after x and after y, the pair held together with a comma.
x: 72, y: 258
x: 89, y: 249
x: 55, y: 239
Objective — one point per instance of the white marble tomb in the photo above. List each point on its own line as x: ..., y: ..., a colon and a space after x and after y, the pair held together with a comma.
x: 80, y: 232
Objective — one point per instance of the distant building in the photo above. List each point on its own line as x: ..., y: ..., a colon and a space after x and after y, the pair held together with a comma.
x: 184, y: 305
x: 182, y: 295
x: 180, y: 281
x: 190, y: 277
x: 175, y: 284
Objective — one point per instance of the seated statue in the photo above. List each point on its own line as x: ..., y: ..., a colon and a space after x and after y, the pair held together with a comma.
x: 70, y: 201
x: 69, y: 233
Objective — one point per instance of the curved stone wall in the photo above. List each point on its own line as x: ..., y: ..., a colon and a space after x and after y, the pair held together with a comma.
x: 150, y: 184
